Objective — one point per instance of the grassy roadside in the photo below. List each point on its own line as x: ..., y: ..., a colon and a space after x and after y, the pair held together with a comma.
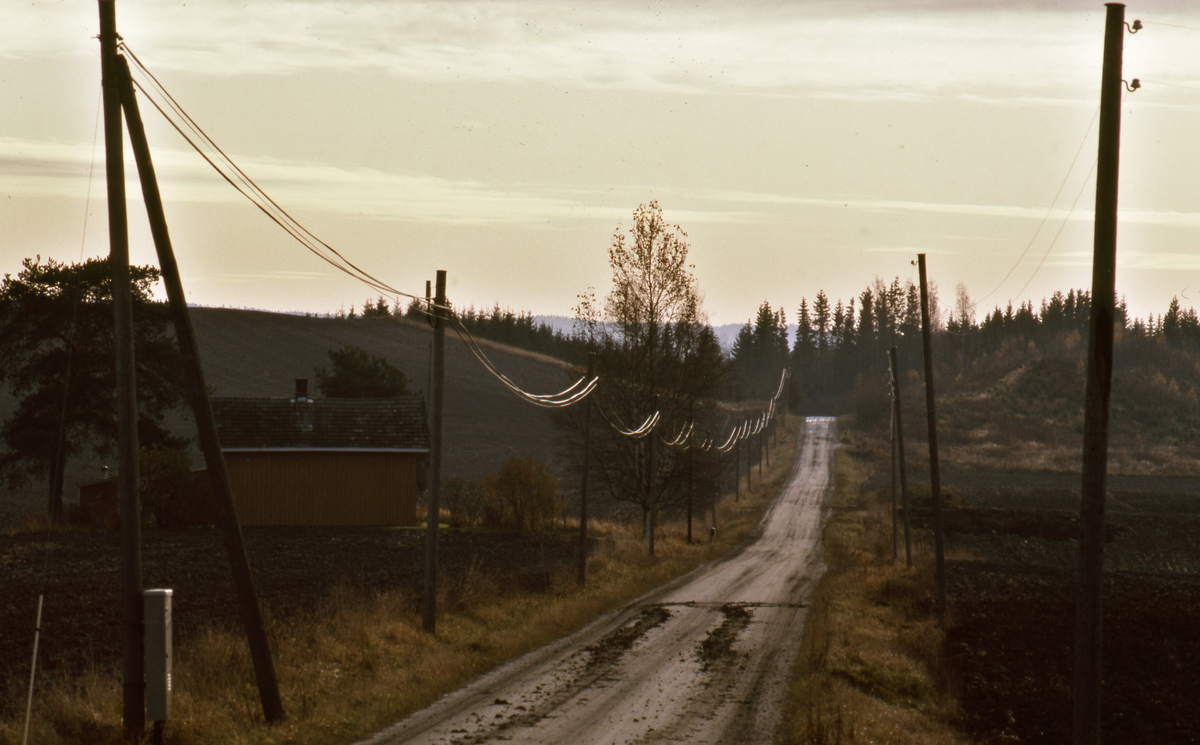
x: 870, y: 667
x: 360, y: 663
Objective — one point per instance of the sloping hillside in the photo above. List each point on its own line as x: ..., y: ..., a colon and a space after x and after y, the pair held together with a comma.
x: 253, y: 353
x: 249, y: 353
x: 1021, y: 408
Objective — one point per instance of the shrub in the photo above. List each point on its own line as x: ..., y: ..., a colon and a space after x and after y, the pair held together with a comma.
x: 920, y: 496
x: 463, y: 499
x: 172, y: 495
x: 872, y: 402
x: 522, y: 495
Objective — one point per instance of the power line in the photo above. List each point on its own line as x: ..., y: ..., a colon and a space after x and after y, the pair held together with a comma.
x: 1054, y: 240
x: 245, y: 185
x: 646, y: 427
x: 1049, y: 211
x: 1172, y: 25
x: 55, y: 496
x: 1057, y: 234
x: 556, y: 400
x: 685, y: 434
x: 1173, y: 85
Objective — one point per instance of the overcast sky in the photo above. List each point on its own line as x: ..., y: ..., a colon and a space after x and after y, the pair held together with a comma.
x: 801, y: 145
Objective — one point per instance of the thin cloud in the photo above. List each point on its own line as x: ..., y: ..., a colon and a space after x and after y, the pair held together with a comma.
x: 907, y: 250
x: 57, y: 169
x: 661, y: 46
x: 1159, y: 260
x: 1057, y: 214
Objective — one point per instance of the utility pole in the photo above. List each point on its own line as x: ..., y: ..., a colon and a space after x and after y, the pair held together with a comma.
x: 715, y: 494
x: 760, y: 451
x: 435, y: 453
x: 744, y: 450
x: 56, y: 472
x: 690, y: 489
x: 197, y: 394
x: 935, y: 483
x: 757, y: 456
x: 587, y: 458
x: 749, y: 461
x: 650, y: 476
x: 1086, y: 729
x: 737, y: 468
x: 895, y: 516
x: 900, y: 458
x: 133, y: 684
x: 430, y: 319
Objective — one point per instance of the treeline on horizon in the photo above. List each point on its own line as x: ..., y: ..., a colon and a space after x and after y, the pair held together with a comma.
x: 840, y: 345
x: 841, y: 348
x: 503, y: 325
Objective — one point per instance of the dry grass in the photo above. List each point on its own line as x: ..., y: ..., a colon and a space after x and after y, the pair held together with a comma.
x: 71, y: 520
x: 870, y: 669
x: 360, y: 663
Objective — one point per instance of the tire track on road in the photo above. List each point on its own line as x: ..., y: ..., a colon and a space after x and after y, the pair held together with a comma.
x: 705, y: 659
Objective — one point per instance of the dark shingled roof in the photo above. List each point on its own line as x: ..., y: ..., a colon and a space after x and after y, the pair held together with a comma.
x: 321, y: 424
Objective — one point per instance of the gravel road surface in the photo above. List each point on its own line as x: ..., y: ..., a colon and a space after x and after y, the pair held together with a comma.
x: 704, y: 659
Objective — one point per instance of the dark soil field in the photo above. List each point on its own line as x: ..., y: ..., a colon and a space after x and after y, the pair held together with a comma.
x: 1012, y: 584
x: 295, y: 570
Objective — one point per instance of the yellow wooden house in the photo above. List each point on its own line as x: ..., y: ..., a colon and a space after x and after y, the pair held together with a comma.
x: 332, y: 461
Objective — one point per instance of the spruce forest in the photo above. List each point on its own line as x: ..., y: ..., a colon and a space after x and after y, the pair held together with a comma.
x: 1027, y: 358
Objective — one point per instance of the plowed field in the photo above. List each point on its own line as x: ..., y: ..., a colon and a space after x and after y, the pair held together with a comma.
x: 1013, y: 608
x: 295, y: 569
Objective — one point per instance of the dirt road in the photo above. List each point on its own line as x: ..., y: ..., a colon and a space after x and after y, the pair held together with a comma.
x: 702, y: 660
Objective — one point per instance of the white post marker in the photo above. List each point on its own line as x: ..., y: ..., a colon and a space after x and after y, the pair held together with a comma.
x: 157, y: 604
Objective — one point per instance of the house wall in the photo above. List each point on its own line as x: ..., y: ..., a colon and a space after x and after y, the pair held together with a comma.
x: 324, y: 488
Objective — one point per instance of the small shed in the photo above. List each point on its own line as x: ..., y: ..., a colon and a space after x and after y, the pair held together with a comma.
x: 99, y: 502
x: 332, y: 461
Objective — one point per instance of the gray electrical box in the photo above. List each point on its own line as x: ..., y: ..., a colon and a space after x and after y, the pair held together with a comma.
x: 157, y: 604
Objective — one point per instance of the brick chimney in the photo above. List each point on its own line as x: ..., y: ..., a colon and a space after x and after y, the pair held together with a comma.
x: 301, y: 390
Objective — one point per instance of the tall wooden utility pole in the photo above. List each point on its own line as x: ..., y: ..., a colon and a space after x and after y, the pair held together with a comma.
x: 900, y: 458
x: 895, y: 511
x: 133, y: 708
x: 650, y: 475
x: 749, y: 463
x: 760, y: 451
x: 432, y: 321
x: 714, y: 488
x: 1086, y: 729
x: 197, y: 394
x: 436, y: 395
x: 587, y: 462
x: 737, y: 468
x: 690, y: 492
x: 935, y: 482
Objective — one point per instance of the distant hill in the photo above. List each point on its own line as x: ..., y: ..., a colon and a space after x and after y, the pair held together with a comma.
x: 260, y: 354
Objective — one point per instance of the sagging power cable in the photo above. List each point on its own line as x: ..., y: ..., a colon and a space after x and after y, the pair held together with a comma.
x: 194, y: 135
x: 183, y: 123
x: 646, y: 427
